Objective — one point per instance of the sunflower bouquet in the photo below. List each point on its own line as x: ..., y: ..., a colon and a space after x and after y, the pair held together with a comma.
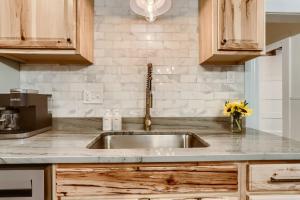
x: 237, y: 110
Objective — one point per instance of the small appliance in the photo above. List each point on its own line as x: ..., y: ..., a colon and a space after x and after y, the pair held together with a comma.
x: 24, y: 113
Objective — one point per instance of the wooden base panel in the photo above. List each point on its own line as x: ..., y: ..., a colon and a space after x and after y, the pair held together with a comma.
x: 49, y: 58
x: 223, y: 59
x: 114, y: 180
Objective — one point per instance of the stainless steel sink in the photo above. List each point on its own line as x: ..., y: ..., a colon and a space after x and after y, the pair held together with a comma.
x: 147, y: 140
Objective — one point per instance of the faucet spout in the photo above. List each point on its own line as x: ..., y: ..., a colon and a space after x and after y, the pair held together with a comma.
x: 149, y: 99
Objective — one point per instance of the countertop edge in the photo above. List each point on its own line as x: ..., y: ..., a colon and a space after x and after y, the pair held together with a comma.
x: 152, y: 159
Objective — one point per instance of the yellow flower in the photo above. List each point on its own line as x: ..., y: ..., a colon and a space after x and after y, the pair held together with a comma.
x: 228, y: 108
x: 248, y: 111
x: 237, y: 108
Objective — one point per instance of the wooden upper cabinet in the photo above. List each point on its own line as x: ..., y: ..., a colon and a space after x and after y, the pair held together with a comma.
x: 231, y: 31
x: 47, y: 31
x: 38, y: 24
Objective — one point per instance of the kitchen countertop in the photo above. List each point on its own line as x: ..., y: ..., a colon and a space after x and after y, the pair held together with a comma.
x: 68, y: 147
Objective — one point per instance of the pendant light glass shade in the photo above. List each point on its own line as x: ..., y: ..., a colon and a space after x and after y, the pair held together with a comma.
x: 150, y: 9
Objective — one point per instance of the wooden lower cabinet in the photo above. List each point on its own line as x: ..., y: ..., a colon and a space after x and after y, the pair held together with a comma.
x: 178, y: 181
x: 274, y: 177
x: 274, y: 181
x: 144, y: 182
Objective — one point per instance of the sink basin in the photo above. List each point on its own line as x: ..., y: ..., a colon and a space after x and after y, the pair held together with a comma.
x: 147, y: 140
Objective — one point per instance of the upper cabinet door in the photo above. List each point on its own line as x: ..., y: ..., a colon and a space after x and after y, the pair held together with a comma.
x: 240, y: 24
x: 49, y: 24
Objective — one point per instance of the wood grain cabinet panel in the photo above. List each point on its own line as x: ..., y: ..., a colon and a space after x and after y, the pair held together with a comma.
x: 47, y: 31
x: 38, y: 24
x: 101, y: 180
x: 238, y: 25
x: 274, y: 177
x: 231, y: 31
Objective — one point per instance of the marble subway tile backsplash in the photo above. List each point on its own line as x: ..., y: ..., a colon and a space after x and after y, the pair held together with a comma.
x: 124, y: 44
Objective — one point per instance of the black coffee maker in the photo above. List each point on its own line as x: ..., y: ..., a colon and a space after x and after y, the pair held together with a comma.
x: 24, y: 113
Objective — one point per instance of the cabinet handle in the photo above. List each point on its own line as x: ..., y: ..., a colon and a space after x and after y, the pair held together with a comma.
x: 144, y: 199
x: 223, y: 42
x: 284, y: 180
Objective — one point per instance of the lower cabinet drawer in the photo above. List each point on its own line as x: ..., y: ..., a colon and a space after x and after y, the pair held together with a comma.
x: 22, y: 184
x: 105, y: 180
x: 274, y: 197
x: 274, y: 177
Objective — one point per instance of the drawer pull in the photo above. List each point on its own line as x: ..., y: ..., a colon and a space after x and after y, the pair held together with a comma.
x: 144, y: 199
x: 284, y: 180
x: 18, y: 192
x: 223, y: 42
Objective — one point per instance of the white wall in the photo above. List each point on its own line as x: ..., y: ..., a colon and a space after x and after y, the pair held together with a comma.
x: 295, y: 69
x: 277, y: 93
x: 270, y: 93
x: 283, y: 6
x: 294, y: 82
x: 9, y: 75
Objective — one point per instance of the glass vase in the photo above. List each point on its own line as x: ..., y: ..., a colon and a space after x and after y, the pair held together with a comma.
x: 236, y: 124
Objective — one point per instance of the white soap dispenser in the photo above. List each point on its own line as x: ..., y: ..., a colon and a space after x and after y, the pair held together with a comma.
x: 107, y: 121
x: 117, y: 120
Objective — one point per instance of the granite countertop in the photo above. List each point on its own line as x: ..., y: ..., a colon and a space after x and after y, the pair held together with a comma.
x: 68, y: 147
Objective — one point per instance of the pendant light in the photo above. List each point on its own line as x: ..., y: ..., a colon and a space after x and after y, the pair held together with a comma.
x: 150, y: 9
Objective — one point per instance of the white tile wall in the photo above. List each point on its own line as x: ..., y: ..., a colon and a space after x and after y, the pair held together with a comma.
x: 124, y: 44
x: 270, y: 93
x: 295, y: 71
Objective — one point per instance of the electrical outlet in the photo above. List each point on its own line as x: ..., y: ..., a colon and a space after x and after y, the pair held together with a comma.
x: 92, y: 97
